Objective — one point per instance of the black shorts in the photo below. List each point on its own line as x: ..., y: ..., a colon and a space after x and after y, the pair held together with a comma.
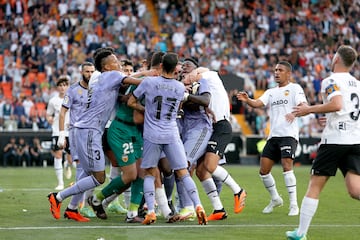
x: 105, y: 144
x: 277, y: 148
x: 220, y: 138
x: 330, y: 157
x: 55, y: 147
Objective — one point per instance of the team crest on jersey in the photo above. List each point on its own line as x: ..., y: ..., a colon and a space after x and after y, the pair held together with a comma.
x: 331, y: 88
x: 80, y: 91
x: 125, y: 158
x: 66, y: 100
x: 287, y: 92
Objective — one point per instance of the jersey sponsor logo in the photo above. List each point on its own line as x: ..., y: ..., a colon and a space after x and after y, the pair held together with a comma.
x: 279, y: 102
x: 331, y: 88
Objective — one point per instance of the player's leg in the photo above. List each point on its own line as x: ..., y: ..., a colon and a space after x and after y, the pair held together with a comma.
x: 210, y: 189
x: 175, y: 153
x: 288, y: 147
x: 221, y: 136
x: 271, y: 151
x: 150, y: 161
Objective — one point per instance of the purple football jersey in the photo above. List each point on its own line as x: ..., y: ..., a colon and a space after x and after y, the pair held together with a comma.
x: 162, y: 100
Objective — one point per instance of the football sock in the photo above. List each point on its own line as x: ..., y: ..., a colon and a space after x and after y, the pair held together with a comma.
x: 75, y: 200
x: 111, y: 199
x: 218, y: 184
x: 211, y: 191
x: 183, y: 196
x: 223, y: 175
x: 269, y: 183
x: 161, y: 200
x: 59, y: 170
x: 137, y: 189
x: 191, y: 189
x: 80, y: 186
x: 86, y: 196
x: 149, y: 192
x: 307, y: 211
x: 113, y: 187
x: 169, y: 182
x: 127, y: 196
x: 290, y: 183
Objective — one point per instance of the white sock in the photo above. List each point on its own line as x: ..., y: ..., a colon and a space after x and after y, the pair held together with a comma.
x: 127, y: 197
x: 59, y: 170
x: 88, y: 194
x: 222, y: 174
x: 307, y: 211
x: 160, y: 197
x: 114, y: 172
x: 290, y: 183
x: 114, y: 198
x: 211, y: 191
x: 269, y: 183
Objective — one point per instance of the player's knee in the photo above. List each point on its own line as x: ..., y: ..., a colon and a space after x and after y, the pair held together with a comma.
x: 100, y: 177
x: 354, y: 193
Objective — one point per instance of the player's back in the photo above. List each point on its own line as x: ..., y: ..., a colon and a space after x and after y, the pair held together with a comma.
x: 342, y: 127
x: 219, y: 102
x: 162, y: 100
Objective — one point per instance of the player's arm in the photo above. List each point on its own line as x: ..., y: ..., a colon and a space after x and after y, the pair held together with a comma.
x: 61, y: 139
x: 62, y: 114
x: 50, y: 114
x: 135, y: 104
x: 203, y: 99
x: 334, y: 105
x: 244, y: 97
x: 134, y: 78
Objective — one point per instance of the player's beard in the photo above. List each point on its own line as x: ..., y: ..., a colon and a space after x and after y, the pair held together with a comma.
x: 85, y: 79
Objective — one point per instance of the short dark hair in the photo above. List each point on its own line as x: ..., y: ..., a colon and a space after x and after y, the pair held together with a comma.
x: 126, y: 62
x: 347, y: 54
x: 86, y: 64
x: 286, y: 64
x: 169, y: 62
x: 157, y: 59
x: 63, y: 79
x: 193, y: 60
x: 100, y: 54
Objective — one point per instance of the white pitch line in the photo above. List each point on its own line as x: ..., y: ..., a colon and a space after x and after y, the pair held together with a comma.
x: 180, y: 226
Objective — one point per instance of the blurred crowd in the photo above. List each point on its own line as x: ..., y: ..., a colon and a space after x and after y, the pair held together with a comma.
x: 43, y: 39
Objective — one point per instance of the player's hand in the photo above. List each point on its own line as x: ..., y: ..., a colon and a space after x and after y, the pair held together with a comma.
x: 301, y: 110
x: 242, y: 96
x: 61, y: 140
x: 289, y: 117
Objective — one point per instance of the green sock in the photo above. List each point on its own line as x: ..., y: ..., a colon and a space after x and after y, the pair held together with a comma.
x: 137, y: 191
x: 113, y: 187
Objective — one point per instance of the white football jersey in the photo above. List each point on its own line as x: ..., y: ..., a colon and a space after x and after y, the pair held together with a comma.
x: 342, y: 127
x: 53, y: 109
x: 280, y: 101
x: 219, y: 102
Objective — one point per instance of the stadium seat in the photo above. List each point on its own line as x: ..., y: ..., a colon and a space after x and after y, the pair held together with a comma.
x: 32, y: 77
x: 41, y: 77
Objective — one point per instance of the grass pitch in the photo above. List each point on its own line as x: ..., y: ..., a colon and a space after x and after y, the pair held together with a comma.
x: 24, y: 212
